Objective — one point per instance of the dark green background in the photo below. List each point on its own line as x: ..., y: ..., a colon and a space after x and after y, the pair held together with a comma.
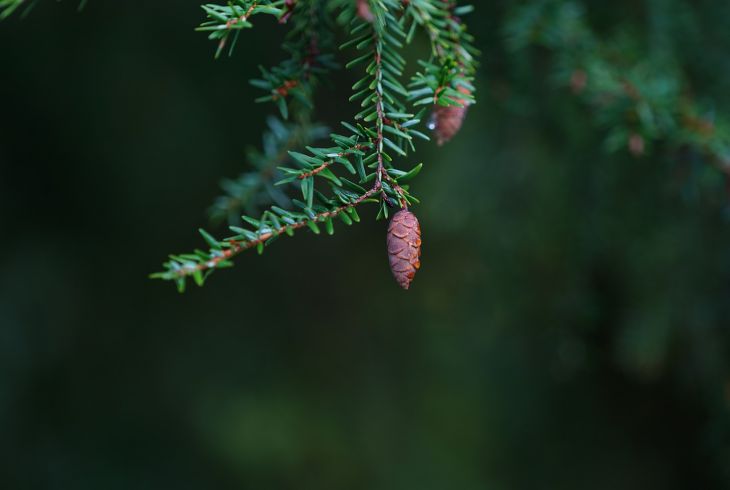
x: 568, y: 329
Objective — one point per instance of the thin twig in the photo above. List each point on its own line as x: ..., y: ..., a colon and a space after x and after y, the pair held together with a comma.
x: 235, y: 247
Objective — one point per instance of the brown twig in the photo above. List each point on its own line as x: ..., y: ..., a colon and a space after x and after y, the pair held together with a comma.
x: 290, y: 5
x: 326, y: 164
x: 380, y: 121
x: 232, y: 22
x: 235, y: 247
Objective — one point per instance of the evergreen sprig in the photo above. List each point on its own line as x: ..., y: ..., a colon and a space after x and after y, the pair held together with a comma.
x: 228, y: 20
x: 359, y: 166
x: 453, y: 60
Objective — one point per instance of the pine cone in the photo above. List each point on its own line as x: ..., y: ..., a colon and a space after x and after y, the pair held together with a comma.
x: 446, y: 121
x: 404, y: 247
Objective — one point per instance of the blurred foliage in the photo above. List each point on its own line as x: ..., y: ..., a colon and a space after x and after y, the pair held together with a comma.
x: 569, y: 327
x: 637, y: 87
x: 7, y: 7
x: 255, y: 188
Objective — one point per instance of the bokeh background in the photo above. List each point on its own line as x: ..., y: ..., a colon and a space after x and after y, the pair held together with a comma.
x: 568, y: 329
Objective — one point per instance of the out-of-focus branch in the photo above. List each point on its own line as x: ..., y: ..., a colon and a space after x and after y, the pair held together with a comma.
x: 640, y: 98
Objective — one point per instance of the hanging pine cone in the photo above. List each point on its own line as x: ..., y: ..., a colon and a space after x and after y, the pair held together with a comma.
x: 446, y: 120
x: 404, y: 247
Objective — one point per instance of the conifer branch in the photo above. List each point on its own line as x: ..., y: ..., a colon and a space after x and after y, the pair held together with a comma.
x: 200, y: 264
x: 230, y: 19
x: 446, y: 79
x: 381, y: 132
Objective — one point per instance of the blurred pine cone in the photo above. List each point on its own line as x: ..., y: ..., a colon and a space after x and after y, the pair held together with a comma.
x: 446, y: 121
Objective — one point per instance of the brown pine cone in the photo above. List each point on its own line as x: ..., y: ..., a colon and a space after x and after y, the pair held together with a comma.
x: 404, y: 247
x: 446, y: 121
